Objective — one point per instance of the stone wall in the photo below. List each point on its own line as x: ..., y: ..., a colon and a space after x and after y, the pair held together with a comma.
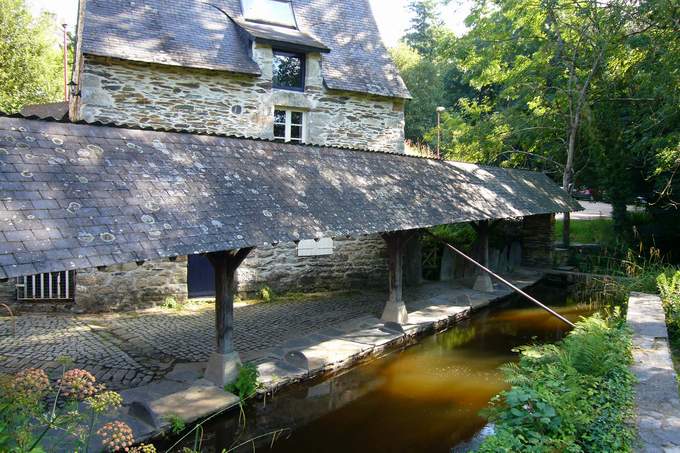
x: 116, y: 91
x: 7, y: 293
x: 538, y: 240
x: 355, y: 263
x: 130, y: 286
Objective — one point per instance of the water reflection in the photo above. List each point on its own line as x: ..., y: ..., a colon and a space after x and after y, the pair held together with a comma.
x: 424, y: 399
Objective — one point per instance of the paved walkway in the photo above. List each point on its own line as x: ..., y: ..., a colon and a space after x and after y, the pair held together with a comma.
x: 126, y: 351
x: 658, y: 402
x: 596, y: 210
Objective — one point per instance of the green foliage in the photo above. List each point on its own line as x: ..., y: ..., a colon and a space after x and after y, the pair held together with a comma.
x: 170, y: 303
x: 595, y: 231
x: 246, y: 383
x: 266, y: 294
x: 423, y: 77
x: 461, y: 235
x: 575, y: 396
x: 426, y: 26
x: 177, y: 425
x: 585, y: 93
x: 669, y: 288
x: 30, y: 58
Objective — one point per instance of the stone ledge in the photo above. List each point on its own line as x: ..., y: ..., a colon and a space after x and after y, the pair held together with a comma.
x: 657, y: 398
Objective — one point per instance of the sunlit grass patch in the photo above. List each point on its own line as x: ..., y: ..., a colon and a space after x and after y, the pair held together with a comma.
x: 595, y: 231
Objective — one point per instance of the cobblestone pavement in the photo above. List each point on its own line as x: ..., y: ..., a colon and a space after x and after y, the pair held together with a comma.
x: 129, y: 350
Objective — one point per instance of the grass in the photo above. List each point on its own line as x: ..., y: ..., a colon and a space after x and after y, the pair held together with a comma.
x: 595, y: 231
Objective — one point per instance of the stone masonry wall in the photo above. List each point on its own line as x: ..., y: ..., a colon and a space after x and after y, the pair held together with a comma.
x: 115, y: 91
x: 130, y: 286
x: 355, y: 263
x: 7, y: 294
x: 538, y: 240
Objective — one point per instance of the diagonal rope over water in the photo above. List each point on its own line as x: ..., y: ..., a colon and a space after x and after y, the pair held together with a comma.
x: 504, y: 281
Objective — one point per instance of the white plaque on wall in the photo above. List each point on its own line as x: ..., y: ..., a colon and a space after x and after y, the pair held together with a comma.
x: 311, y: 247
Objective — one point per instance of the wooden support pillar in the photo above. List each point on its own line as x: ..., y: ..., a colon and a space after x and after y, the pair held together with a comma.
x: 483, y: 227
x: 483, y: 281
x: 395, y: 309
x: 224, y: 362
x: 413, y: 261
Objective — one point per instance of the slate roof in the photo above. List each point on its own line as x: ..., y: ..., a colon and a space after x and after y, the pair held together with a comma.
x: 77, y: 196
x: 192, y: 33
x: 48, y: 111
x: 281, y: 37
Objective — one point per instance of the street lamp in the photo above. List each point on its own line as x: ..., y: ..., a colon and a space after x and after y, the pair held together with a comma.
x: 439, y: 129
x: 73, y: 89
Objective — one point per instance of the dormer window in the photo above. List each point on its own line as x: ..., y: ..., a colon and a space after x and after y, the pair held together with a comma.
x: 288, y: 71
x: 274, y: 12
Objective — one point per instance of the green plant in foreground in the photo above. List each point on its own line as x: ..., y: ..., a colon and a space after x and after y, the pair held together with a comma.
x: 177, y: 425
x: 266, y: 294
x: 246, y: 383
x: 574, y: 396
x: 669, y: 288
x: 29, y: 422
x: 170, y: 303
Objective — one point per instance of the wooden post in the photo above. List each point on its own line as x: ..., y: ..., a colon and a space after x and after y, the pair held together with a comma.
x: 483, y: 235
x: 395, y: 309
x: 483, y: 281
x: 223, y: 364
x: 413, y: 260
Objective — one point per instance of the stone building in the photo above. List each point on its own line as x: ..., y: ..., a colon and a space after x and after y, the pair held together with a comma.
x: 312, y: 72
x: 305, y: 72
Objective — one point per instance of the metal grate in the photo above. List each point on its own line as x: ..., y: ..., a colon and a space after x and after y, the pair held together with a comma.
x: 47, y: 286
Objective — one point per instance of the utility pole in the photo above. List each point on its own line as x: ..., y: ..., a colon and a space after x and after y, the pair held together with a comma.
x: 65, y: 63
x: 439, y: 130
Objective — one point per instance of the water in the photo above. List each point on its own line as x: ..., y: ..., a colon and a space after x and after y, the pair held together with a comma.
x: 426, y: 398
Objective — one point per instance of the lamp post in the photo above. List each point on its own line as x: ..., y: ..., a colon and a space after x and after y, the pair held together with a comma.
x: 439, y: 129
x: 65, y: 64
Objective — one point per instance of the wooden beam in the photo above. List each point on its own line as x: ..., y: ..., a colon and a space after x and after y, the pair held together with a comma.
x: 395, y: 309
x: 483, y: 229
x: 225, y: 264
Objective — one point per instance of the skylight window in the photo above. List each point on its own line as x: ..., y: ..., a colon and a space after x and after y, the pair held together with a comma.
x: 275, y: 12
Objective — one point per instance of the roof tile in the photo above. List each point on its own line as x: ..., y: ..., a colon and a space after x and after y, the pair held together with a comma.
x: 201, y: 201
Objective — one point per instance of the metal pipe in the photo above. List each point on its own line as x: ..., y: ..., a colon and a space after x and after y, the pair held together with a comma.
x: 65, y: 64
x: 502, y: 280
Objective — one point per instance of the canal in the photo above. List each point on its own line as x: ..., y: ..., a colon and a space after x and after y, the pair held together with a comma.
x: 425, y: 398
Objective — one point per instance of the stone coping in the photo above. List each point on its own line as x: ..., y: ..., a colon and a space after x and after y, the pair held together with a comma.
x: 657, y: 397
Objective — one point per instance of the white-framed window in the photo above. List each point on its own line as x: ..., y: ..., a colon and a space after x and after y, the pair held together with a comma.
x: 289, y: 125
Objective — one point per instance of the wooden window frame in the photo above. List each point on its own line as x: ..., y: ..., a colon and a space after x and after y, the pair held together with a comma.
x: 288, y: 125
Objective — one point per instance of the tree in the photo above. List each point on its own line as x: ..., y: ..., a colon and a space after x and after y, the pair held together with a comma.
x: 425, y: 26
x: 538, y: 65
x: 423, y: 78
x: 30, y: 58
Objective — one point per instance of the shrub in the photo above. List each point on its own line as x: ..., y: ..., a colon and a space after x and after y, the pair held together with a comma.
x: 170, y: 303
x: 266, y: 294
x: 177, y: 425
x: 246, y: 383
x: 669, y: 288
x: 574, y: 396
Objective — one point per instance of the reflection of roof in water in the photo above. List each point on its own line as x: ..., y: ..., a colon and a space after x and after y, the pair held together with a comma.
x: 79, y: 196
